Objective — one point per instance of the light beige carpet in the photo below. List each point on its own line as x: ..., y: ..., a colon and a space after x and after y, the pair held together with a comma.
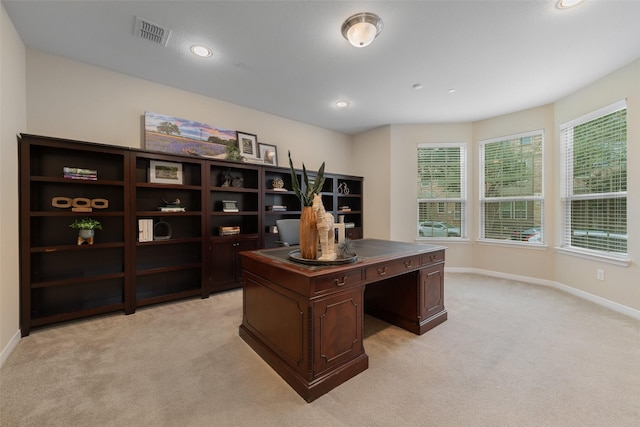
x: 511, y: 354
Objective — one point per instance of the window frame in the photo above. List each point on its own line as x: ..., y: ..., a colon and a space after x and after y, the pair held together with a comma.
x: 483, y: 200
x: 442, y: 201
x: 567, y: 194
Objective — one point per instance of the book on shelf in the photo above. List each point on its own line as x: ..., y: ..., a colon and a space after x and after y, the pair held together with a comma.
x: 79, y: 173
x: 145, y: 230
x: 171, y: 209
x: 229, y: 231
x: 276, y: 208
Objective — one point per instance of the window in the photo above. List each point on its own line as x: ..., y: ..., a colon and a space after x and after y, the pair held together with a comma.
x: 511, y: 196
x: 594, y: 192
x: 441, y: 190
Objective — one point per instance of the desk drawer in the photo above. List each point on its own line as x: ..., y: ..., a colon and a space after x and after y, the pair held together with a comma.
x: 392, y: 268
x: 432, y: 258
x: 337, y: 281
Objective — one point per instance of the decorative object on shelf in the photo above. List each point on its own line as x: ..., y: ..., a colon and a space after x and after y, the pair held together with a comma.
x: 165, y: 172
x: 268, y: 153
x: 179, y: 136
x: 229, y: 231
x: 308, y: 220
x: 342, y: 188
x: 229, y: 180
x: 324, y: 222
x: 277, y: 184
x: 79, y: 173
x: 161, y: 230
x: 172, y: 206
x: 248, y: 144
x: 230, y: 206
x: 79, y: 204
x: 86, y: 229
x: 233, y: 152
x: 345, y: 209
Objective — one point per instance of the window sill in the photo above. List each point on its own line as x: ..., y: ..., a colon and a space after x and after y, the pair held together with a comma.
x: 442, y: 239
x: 514, y: 244
x: 622, y: 261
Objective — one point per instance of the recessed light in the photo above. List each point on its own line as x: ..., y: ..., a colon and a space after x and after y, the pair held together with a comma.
x: 201, y: 51
x: 417, y: 86
x: 342, y: 104
x: 566, y: 4
x: 452, y: 90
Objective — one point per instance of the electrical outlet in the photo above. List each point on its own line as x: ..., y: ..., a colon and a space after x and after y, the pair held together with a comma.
x: 600, y: 274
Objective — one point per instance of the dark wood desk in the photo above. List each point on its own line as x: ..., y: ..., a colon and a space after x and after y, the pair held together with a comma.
x: 306, y: 321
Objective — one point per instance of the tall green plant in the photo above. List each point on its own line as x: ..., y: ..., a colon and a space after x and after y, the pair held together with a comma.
x: 306, y: 196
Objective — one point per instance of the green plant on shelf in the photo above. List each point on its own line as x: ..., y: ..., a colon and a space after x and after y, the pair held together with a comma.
x: 86, y: 224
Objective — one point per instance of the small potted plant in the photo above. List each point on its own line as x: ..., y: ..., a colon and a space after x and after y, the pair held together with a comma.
x: 86, y: 229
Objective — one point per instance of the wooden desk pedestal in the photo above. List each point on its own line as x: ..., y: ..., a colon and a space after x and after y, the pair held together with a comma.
x: 306, y: 321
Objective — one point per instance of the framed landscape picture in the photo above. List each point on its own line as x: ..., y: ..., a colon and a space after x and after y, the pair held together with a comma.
x: 165, y: 172
x: 248, y: 144
x: 180, y: 136
x: 268, y: 153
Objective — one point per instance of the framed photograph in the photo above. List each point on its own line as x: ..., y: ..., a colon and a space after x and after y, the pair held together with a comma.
x: 165, y: 172
x: 268, y: 153
x: 248, y: 144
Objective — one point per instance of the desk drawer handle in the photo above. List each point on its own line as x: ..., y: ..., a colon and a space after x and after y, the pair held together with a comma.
x: 382, y: 271
x: 407, y: 264
x: 339, y: 283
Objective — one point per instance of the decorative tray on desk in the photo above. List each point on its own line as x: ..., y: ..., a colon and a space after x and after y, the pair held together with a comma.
x: 297, y: 257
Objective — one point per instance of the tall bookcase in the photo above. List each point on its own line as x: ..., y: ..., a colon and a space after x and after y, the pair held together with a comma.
x: 213, y: 210
x: 61, y: 280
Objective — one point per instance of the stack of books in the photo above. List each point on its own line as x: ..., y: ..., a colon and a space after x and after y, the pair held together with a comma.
x: 229, y: 231
x: 277, y: 208
x: 79, y: 173
x: 171, y: 209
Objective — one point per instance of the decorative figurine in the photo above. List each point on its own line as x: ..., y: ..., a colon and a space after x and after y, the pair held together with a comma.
x: 325, y: 230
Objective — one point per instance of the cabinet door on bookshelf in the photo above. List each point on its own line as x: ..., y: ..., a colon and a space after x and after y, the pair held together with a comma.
x: 225, y: 270
x: 61, y: 181
x: 169, y: 221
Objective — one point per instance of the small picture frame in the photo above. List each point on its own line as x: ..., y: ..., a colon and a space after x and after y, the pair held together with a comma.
x: 165, y: 172
x: 268, y: 153
x: 229, y: 206
x: 248, y: 144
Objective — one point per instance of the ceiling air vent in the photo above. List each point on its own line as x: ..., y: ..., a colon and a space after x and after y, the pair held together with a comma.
x: 150, y: 31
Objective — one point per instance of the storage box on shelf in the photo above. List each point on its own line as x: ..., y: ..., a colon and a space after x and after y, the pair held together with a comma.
x: 169, y: 260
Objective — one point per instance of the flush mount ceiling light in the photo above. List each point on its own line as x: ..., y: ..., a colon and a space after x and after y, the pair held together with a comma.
x: 566, y: 4
x: 342, y: 104
x: 201, y: 51
x: 361, y: 28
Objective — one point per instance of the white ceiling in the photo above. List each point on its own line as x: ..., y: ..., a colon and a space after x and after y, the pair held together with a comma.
x: 289, y: 58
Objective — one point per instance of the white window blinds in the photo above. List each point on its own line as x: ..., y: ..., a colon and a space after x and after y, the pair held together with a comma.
x: 441, y: 190
x: 511, y: 192
x: 594, y: 191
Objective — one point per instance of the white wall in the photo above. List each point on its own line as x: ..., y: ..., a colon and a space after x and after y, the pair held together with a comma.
x: 69, y: 99
x: 12, y: 119
x: 621, y: 284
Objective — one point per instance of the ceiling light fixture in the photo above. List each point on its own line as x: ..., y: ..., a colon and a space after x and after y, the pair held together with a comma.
x: 566, y: 4
x: 201, y: 51
x: 362, y: 28
x: 342, y: 104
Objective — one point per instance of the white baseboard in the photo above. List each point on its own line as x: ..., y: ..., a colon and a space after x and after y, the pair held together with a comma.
x: 622, y: 309
x: 6, y: 351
